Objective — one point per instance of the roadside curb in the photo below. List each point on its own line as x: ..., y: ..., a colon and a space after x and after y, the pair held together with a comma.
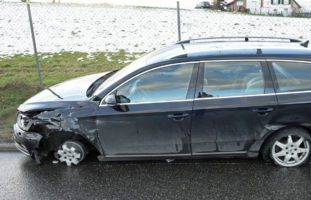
x: 7, y: 147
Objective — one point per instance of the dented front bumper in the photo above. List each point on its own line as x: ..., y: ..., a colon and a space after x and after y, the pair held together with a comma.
x: 26, y: 142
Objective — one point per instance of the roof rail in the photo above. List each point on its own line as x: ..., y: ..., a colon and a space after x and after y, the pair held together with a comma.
x: 239, y: 39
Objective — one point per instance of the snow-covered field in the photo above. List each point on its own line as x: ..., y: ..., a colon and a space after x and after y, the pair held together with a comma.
x: 87, y: 28
x: 189, y: 4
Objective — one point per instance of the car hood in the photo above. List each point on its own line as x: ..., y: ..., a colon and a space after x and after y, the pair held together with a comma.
x: 68, y: 91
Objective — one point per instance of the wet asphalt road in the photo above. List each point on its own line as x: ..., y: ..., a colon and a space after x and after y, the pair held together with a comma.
x: 209, y: 179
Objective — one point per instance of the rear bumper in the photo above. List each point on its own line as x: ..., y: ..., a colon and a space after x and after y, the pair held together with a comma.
x: 26, y: 142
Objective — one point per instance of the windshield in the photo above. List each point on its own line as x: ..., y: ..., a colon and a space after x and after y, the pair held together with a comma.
x: 147, y: 59
x: 121, y: 73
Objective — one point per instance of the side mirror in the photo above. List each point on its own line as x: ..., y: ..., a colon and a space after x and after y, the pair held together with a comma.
x: 111, y: 99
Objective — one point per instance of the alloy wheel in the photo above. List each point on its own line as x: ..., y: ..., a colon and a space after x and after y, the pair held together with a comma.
x: 291, y: 150
x: 71, y: 153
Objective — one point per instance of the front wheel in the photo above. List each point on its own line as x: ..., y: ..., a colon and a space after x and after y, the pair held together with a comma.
x: 71, y: 152
x: 289, y: 148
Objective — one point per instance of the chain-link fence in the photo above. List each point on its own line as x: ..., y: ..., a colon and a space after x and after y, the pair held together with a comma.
x: 85, y: 28
x: 14, y: 29
x: 208, y: 23
x: 92, y: 28
x: 60, y: 27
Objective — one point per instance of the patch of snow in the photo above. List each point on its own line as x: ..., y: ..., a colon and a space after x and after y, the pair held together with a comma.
x: 108, y: 58
x: 127, y: 61
x: 90, y: 56
x: 46, y: 56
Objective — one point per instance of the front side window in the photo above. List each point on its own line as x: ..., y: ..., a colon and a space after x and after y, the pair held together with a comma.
x: 292, y: 76
x: 225, y: 79
x: 162, y: 84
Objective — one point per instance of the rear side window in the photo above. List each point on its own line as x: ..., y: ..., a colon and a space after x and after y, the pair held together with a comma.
x: 225, y: 79
x: 292, y: 76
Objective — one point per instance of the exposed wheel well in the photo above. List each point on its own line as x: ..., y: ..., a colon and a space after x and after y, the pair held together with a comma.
x: 52, y: 143
x: 88, y: 145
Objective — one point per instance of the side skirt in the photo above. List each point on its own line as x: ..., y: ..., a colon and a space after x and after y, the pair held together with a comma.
x: 142, y: 157
x: 176, y: 156
x: 220, y: 154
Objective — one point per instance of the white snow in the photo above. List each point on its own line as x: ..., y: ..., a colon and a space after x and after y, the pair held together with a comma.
x: 65, y: 27
x: 189, y: 4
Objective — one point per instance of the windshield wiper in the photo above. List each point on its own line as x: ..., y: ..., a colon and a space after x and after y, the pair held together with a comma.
x: 49, y: 89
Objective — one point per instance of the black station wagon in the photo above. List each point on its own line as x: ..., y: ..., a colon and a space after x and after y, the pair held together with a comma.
x: 212, y: 97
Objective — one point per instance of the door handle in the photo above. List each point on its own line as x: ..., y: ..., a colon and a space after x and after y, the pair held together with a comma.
x: 263, y: 111
x: 178, y: 116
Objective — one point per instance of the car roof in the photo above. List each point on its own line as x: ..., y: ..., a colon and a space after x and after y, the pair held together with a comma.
x: 223, y: 49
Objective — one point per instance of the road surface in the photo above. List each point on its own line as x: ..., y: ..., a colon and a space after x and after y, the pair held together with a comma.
x: 20, y: 178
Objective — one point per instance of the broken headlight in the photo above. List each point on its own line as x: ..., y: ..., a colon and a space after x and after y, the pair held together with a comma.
x: 24, y: 122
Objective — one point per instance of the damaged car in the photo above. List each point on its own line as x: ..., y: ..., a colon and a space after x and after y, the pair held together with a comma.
x: 199, y: 98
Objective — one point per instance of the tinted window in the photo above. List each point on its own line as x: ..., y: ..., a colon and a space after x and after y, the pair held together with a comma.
x: 292, y: 76
x: 162, y: 84
x: 225, y: 79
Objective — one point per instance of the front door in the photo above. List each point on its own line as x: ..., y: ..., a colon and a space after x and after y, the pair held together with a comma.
x: 153, y: 114
x: 235, y: 101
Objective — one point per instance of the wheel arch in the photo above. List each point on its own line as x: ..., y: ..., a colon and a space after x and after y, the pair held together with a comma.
x: 91, y: 145
x: 267, y: 138
x: 54, y: 140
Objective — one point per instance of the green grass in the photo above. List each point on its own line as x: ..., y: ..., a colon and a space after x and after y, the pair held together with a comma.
x: 19, y: 78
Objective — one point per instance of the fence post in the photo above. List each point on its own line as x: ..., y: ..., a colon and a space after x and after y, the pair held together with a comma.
x: 34, y: 45
x: 178, y: 21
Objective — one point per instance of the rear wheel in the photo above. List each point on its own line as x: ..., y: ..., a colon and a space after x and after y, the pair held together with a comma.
x: 289, y: 148
x: 71, y: 152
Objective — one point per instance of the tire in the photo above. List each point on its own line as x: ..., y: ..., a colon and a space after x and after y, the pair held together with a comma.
x: 288, y: 148
x: 71, y: 152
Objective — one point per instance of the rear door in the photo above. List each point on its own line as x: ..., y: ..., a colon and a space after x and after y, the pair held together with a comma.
x: 292, y: 80
x: 235, y: 101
